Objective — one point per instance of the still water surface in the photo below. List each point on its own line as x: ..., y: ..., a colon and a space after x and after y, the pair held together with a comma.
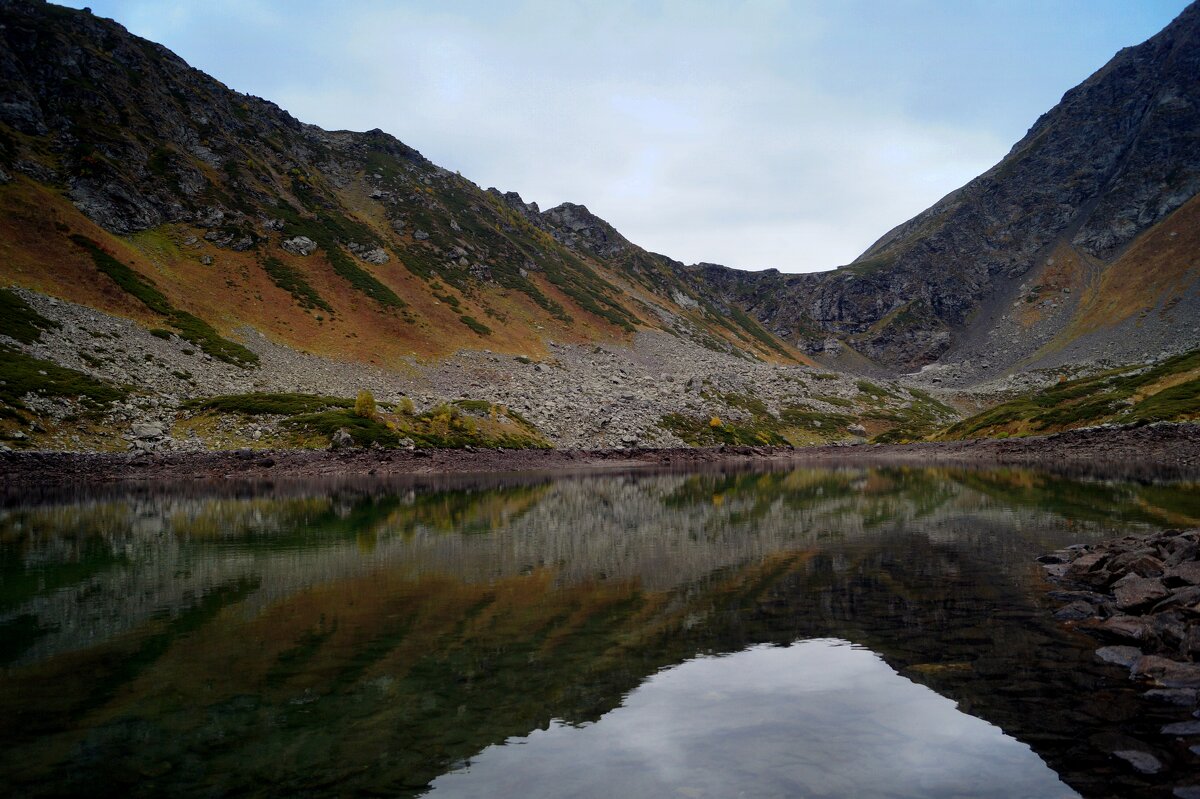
x: 823, y: 633
x: 816, y: 718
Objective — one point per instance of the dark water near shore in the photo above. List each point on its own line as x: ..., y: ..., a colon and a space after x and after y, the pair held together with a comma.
x: 816, y: 632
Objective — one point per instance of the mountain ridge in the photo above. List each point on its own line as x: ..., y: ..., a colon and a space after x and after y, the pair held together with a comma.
x: 1114, y: 158
x: 138, y: 141
x: 910, y: 300
x: 232, y: 249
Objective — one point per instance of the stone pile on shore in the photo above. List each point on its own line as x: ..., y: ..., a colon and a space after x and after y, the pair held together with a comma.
x: 1140, y: 597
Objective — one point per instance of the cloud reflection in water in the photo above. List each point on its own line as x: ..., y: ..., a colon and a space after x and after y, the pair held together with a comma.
x: 817, y: 718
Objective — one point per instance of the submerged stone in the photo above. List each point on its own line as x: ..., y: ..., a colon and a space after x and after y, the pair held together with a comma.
x: 1075, y: 611
x: 1144, y: 762
x: 1128, y: 628
x: 1119, y: 655
x: 1184, y: 697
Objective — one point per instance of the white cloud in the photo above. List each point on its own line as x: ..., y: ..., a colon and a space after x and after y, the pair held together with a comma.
x: 699, y: 157
x: 761, y: 134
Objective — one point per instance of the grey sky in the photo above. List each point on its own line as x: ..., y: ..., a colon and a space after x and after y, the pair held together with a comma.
x: 756, y: 134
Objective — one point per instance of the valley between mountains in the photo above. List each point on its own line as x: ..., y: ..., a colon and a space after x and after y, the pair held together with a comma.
x: 188, y: 268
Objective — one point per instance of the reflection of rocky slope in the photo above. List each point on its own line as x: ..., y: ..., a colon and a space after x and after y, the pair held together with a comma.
x: 135, y: 560
x: 377, y: 639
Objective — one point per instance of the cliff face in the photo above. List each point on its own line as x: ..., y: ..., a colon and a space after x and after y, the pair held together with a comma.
x: 1114, y: 159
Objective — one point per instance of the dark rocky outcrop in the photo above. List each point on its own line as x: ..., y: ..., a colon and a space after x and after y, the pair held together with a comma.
x: 1140, y: 597
x: 131, y: 126
x: 578, y: 229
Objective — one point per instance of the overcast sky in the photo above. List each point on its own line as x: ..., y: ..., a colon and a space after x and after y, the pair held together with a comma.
x: 757, y: 134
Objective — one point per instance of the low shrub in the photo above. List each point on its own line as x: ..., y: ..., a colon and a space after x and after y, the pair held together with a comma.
x: 22, y: 374
x: 19, y: 321
x: 262, y: 404
x: 476, y: 325
x: 364, y: 405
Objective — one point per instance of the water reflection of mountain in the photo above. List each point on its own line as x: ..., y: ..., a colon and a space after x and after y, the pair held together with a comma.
x: 376, y: 637
x: 135, y: 559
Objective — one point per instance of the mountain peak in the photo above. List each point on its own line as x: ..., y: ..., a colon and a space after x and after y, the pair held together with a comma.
x: 1095, y: 175
x: 578, y: 228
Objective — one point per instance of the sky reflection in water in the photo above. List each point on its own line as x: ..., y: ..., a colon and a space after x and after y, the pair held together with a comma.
x: 817, y: 718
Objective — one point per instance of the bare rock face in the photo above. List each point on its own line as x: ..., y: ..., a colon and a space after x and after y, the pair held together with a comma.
x: 54, y: 87
x: 299, y: 245
x: 580, y: 229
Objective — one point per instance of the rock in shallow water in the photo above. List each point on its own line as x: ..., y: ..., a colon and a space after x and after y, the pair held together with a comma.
x: 1142, y: 562
x: 1088, y: 570
x: 1188, y: 572
x: 1119, y: 655
x: 1166, y: 672
x: 1154, y: 603
x: 1142, y: 761
x: 1075, y: 611
x: 1181, y: 675
x: 1187, y: 596
x: 1151, y: 666
x: 1184, y: 697
x: 1127, y: 628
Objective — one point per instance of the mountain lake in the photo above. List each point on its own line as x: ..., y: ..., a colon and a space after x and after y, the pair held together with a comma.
x: 834, y: 632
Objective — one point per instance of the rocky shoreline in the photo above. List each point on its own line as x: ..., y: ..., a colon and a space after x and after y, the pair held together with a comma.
x: 1139, y: 596
x: 1159, y: 450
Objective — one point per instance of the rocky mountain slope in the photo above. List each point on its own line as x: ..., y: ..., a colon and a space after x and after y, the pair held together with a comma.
x: 1081, y: 242
x: 191, y: 267
x: 85, y: 380
x: 237, y: 214
x: 1131, y: 394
